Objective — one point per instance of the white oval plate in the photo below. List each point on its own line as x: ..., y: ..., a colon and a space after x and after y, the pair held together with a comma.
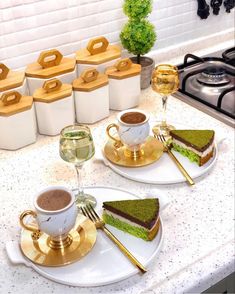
x: 164, y: 171
x: 94, y: 269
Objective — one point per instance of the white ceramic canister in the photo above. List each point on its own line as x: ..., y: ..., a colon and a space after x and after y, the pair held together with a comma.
x: 12, y: 80
x: 17, y: 121
x: 54, y: 104
x: 124, y: 84
x: 50, y: 64
x: 98, y: 54
x: 91, y: 93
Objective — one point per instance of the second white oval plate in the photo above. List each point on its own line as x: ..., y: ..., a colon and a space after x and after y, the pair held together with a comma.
x: 164, y: 171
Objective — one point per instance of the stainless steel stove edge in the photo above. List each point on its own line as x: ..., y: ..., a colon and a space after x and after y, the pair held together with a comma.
x: 210, y: 111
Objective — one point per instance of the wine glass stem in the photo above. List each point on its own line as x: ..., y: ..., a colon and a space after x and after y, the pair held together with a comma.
x: 164, y: 104
x: 79, y: 179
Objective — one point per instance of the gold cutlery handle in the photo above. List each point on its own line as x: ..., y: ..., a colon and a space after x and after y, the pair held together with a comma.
x: 181, y: 168
x: 125, y: 250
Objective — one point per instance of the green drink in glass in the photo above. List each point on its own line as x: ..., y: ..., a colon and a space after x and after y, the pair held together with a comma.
x: 76, y: 146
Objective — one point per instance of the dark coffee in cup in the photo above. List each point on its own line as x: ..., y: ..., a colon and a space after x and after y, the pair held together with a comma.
x: 54, y: 200
x: 134, y: 117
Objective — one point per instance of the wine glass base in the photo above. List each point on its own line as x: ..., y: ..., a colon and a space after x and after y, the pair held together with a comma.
x: 164, y: 130
x: 85, y: 199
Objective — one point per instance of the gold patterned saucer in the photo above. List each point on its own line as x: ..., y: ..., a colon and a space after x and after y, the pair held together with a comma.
x: 83, y: 238
x: 150, y: 152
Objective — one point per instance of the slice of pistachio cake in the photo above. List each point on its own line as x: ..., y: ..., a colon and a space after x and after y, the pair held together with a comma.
x: 196, y: 145
x: 138, y: 217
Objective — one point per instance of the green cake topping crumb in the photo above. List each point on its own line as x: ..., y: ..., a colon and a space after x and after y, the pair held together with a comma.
x: 144, y: 210
x: 198, y: 138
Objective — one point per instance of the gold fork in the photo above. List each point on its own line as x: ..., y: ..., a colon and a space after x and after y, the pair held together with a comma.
x: 179, y: 165
x: 89, y: 212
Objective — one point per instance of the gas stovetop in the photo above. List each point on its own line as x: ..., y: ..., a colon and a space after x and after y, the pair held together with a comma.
x: 208, y: 83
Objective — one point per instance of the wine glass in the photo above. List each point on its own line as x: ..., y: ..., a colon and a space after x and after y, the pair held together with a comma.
x: 165, y: 81
x: 76, y: 146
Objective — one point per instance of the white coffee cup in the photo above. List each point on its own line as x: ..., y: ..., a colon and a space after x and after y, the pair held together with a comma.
x: 55, y: 222
x: 132, y: 128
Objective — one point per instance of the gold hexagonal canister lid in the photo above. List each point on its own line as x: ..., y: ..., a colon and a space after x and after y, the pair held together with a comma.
x: 122, y: 69
x: 10, y: 79
x: 90, y: 80
x: 13, y: 102
x: 97, y: 52
x: 50, y: 63
x: 51, y: 91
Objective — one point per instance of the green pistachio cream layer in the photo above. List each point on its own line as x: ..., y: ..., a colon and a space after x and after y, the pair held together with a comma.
x: 193, y: 157
x: 138, y: 232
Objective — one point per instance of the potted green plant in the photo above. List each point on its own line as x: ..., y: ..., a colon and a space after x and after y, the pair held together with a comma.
x: 138, y: 36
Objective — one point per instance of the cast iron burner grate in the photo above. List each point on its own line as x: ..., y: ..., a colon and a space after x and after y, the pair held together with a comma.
x: 217, y: 79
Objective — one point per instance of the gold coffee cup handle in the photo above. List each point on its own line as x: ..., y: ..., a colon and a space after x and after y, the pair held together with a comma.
x: 118, y: 143
x: 36, y: 232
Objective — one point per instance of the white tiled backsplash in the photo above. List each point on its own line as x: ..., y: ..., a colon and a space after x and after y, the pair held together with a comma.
x: 30, y: 26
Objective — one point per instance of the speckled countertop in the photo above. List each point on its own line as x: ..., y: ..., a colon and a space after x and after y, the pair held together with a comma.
x: 198, y: 247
